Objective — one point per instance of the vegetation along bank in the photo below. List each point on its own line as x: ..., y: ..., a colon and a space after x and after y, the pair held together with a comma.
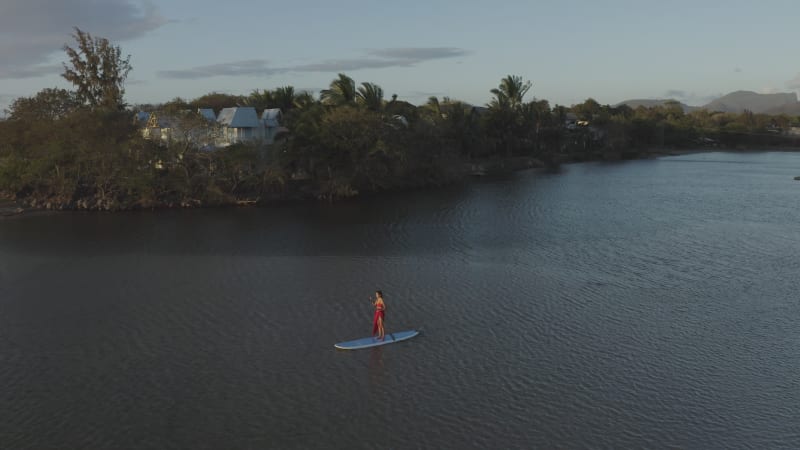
x: 87, y: 149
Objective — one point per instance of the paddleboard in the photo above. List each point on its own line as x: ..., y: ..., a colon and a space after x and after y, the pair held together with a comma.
x: 367, y: 342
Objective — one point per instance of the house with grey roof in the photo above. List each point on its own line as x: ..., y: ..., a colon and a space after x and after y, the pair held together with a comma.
x: 208, y: 113
x: 158, y: 127
x: 271, y: 118
x: 239, y: 124
x: 141, y: 117
x: 232, y: 125
x: 200, y: 128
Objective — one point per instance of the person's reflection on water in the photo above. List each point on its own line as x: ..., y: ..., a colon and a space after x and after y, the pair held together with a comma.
x: 376, y: 366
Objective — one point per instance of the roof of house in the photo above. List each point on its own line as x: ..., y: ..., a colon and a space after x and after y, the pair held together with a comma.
x: 238, y: 117
x: 208, y: 113
x: 271, y: 117
x: 155, y: 120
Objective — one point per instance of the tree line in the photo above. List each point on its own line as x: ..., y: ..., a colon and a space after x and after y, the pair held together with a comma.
x: 82, y: 148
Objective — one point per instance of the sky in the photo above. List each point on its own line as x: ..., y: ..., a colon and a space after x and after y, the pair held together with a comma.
x: 611, y: 50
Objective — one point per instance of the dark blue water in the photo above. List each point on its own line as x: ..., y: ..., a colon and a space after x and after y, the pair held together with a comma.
x: 643, y: 304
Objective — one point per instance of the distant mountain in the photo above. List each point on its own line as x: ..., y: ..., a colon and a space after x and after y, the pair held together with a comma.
x: 735, y: 102
x: 650, y: 103
x: 739, y: 101
x: 792, y: 109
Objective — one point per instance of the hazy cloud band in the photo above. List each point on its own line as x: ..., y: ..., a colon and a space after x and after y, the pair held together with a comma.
x: 376, y: 59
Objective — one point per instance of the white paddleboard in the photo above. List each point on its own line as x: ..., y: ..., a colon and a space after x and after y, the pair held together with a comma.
x: 367, y: 342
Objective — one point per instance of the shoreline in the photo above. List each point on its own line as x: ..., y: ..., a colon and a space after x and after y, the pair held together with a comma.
x: 10, y: 207
x: 474, y: 169
x: 678, y: 152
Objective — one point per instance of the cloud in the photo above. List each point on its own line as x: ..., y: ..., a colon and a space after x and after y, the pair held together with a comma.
x: 346, y: 65
x: 418, y: 54
x: 794, y: 83
x: 251, y: 67
x: 30, y: 71
x: 375, y: 59
x: 33, y: 30
x: 426, y: 95
x: 675, y: 93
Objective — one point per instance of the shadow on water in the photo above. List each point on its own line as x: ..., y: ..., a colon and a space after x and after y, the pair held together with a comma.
x: 302, y: 229
x: 376, y: 367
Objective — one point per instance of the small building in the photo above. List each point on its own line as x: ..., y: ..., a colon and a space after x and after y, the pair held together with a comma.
x: 141, y: 117
x: 158, y: 127
x: 208, y: 113
x: 271, y: 118
x: 239, y: 124
x: 180, y: 126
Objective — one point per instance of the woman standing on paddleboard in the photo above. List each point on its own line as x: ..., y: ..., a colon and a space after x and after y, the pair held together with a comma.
x: 380, y: 314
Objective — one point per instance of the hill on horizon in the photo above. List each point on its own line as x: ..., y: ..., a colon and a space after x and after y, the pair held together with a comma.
x: 739, y: 101
x: 735, y: 102
x: 650, y: 103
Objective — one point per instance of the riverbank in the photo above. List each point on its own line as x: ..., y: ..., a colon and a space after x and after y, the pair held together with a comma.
x: 656, y: 152
x: 480, y: 167
x: 476, y: 168
x: 9, y: 207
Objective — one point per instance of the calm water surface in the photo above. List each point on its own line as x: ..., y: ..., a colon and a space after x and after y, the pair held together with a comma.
x: 639, y: 304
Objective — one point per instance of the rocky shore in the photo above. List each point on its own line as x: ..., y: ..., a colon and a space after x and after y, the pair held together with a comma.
x: 475, y: 168
x: 10, y: 208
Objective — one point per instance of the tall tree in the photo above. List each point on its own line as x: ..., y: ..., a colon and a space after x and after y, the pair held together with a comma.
x: 510, y: 92
x: 304, y: 100
x: 587, y: 110
x: 260, y: 99
x: 98, y: 71
x: 218, y: 100
x: 47, y: 104
x: 370, y: 96
x: 284, y: 98
x: 342, y: 91
x: 505, y: 112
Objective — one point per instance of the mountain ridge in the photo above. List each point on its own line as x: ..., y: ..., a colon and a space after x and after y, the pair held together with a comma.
x: 734, y: 102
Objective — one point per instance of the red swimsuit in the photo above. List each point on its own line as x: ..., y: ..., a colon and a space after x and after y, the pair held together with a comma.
x: 379, y: 314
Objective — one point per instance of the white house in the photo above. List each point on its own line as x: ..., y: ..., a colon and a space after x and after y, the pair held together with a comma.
x: 271, y: 118
x: 179, y: 126
x: 239, y: 124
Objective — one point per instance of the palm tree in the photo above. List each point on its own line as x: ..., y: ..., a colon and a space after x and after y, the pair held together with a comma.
x: 439, y: 109
x: 506, y: 115
x: 510, y: 93
x: 342, y: 91
x: 261, y: 99
x: 284, y: 98
x: 370, y: 95
x: 304, y: 100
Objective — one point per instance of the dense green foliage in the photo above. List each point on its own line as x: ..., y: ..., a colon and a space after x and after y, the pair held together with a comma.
x: 98, y: 71
x: 64, y: 149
